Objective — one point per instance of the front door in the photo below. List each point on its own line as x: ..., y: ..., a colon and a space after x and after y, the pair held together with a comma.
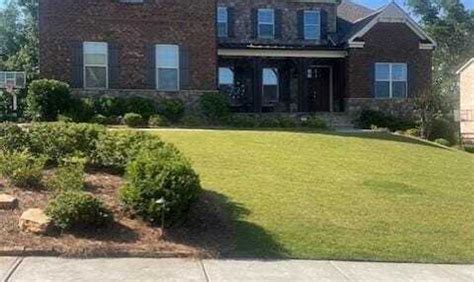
x: 319, y: 89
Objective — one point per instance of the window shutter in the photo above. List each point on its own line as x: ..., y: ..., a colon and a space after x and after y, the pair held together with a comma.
x: 151, y: 66
x: 184, y: 71
x: 278, y: 25
x: 114, y: 67
x: 254, y: 23
x: 300, y: 24
x: 230, y: 22
x: 324, y: 25
x: 77, y: 65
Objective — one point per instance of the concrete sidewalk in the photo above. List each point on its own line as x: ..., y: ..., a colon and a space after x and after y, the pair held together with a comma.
x: 59, y: 269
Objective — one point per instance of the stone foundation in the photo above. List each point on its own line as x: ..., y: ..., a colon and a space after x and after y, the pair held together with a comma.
x: 403, y: 108
x: 189, y: 97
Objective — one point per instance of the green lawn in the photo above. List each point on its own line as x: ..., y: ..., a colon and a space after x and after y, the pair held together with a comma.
x: 332, y: 196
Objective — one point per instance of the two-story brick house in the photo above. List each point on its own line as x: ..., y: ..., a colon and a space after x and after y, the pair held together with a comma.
x: 267, y: 55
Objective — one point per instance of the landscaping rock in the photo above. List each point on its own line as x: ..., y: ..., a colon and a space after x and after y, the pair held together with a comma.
x: 8, y: 202
x: 35, y: 221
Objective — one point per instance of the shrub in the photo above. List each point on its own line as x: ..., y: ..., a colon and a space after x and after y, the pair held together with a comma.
x: 442, y: 128
x: 287, y: 122
x: 215, y: 107
x: 157, y: 174
x: 110, y: 106
x: 82, y: 111
x: 369, y: 118
x: 22, y: 169
x: 469, y: 149
x: 59, y: 140
x: 443, y: 142
x: 74, y: 209
x: 99, y: 119
x: 243, y: 121
x: 193, y: 120
x: 133, y: 120
x: 314, y: 123
x: 115, y: 150
x: 13, y: 138
x: 69, y: 175
x: 156, y: 121
x: 269, y: 122
x: 172, y: 109
x: 47, y: 99
x: 141, y: 106
x: 414, y: 132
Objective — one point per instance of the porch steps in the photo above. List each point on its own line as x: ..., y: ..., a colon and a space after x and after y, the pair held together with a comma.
x: 337, y: 120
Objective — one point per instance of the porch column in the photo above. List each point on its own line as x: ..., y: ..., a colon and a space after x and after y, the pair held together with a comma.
x: 257, y: 85
x: 302, y: 85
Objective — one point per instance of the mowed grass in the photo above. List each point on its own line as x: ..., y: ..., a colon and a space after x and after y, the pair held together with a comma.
x: 336, y: 196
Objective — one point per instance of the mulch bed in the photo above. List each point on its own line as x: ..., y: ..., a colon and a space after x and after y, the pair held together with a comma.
x: 207, y: 232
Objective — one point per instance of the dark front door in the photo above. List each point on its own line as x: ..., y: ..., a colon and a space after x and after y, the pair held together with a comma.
x: 319, y: 89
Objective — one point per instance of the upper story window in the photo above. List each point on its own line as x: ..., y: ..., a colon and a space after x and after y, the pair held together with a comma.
x: 222, y: 22
x: 226, y: 77
x: 266, y: 23
x: 391, y: 80
x: 96, y: 65
x: 167, y: 67
x: 270, y: 86
x: 131, y: 1
x: 312, y: 25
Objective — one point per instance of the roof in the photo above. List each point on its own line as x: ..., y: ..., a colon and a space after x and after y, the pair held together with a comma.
x: 356, y: 20
x: 465, y: 66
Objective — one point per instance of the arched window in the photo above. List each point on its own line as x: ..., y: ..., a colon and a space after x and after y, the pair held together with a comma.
x: 270, y: 86
x: 226, y: 77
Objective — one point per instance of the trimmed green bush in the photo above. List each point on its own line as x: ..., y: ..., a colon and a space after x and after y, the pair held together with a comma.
x: 156, y: 121
x: 59, y: 141
x: 74, y: 210
x: 414, y: 132
x: 82, y: 110
x: 116, y: 149
x: 172, y: 109
x: 160, y: 174
x: 47, y: 99
x: 442, y: 128
x: 13, y: 138
x: 287, y: 122
x: 469, y: 149
x: 243, y: 121
x: 142, y: 106
x: 370, y: 118
x: 215, y: 107
x: 314, y: 122
x: 443, y: 142
x: 69, y: 175
x: 133, y: 120
x: 268, y: 122
x: 110, y: 106
x: 22, y: 169
x: 99, y: 119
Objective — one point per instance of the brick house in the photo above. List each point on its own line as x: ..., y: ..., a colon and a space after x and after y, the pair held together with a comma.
x: 268, y: 55
x: 466, y: 83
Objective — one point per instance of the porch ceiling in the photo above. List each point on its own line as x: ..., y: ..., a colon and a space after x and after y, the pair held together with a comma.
x: 282, y: 53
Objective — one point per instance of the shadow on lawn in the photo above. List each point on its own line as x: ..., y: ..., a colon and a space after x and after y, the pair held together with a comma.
x: 217, y: 225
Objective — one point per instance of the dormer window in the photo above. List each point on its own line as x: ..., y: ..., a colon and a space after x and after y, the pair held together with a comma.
x: 266, y: 23
x: 222, y: 22
x: 312, y: 25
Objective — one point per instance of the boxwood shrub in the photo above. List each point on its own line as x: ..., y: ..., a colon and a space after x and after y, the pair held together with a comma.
x: 22, y: 169
x: 160, y: 174
x: 75, y: 209
x: 47, y: 99
x: 13, y: 137
x: 133, y: 120
x: 69, y: 175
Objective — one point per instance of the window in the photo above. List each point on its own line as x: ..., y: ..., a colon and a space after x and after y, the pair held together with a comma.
x: 266, y: 23
x: 222, y: 22
x: 17, y: 79
x: 95, y: 65
x: 391, y: 80
x: 131, y: 1
x: 270, y: 86
x: 312, y: 25
x: 167, y: 67
x: 226, y: 77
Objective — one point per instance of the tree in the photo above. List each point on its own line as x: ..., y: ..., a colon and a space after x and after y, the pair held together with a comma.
x: 452, y: 27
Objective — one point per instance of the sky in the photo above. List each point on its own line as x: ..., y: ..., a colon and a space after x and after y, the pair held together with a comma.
x: 370, y: 3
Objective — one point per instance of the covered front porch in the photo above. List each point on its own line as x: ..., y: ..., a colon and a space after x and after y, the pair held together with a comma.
x: 283, y: 82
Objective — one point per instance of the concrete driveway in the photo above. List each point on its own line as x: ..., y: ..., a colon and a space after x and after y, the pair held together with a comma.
x: 59, y: 269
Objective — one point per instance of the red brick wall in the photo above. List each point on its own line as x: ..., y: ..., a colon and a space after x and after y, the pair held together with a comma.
x: 388, y: 42
x: 132, y: 27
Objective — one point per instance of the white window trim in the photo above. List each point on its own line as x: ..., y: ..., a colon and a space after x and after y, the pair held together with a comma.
x: 233, y: 76
x: 157, y: 67
x: 277, y: 85
x: 318, y: 25
x: 96, y: 65
x: 266, y: 23
x: 390, y: 80
x: 226, y: 22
